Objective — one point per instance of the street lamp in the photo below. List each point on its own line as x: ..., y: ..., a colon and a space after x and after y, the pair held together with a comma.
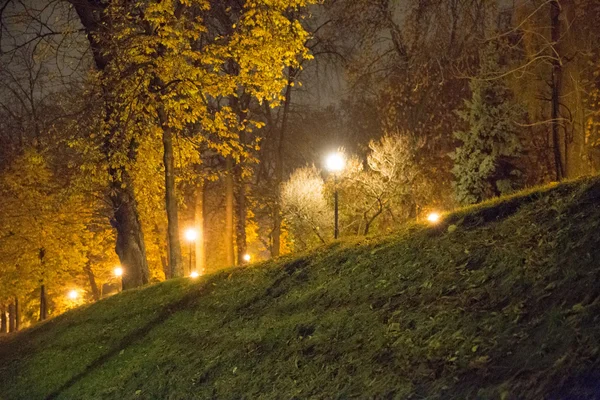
x: 191, y: 235
x: 434, y: 217
x: 335, y: 163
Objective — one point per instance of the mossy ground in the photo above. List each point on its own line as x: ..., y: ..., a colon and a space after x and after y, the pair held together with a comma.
x: 500, y: 301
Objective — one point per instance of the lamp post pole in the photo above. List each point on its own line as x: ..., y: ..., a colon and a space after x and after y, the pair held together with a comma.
x: 335, y: 163
x: 336, y: 230
x: 191, y: 244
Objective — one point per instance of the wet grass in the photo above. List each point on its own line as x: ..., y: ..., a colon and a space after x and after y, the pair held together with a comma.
x: 499, y: 301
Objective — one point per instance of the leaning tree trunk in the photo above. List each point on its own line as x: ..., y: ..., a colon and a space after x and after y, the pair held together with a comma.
x: 92, y: 280
x: 230, y: 256
x: 171, y: 198
x: 130, y: 240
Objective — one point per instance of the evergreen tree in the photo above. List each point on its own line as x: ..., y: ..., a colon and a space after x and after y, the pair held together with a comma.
x: 484, y: 162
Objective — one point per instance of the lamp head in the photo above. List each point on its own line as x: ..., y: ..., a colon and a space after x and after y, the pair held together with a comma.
x: 191, y: 235
x: 434, y: 217
x: 335, y: 162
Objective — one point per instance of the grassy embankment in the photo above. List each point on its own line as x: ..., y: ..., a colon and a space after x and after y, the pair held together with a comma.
x: 501, y: 300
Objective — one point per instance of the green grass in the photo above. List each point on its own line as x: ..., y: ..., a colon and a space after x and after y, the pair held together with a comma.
x: 500, y: 301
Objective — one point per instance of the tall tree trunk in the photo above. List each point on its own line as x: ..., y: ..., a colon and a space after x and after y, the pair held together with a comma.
x: 164, y: 260
x: 276, y: 234
x: 3, y: 320
x: 242, y: 245
x: 171, y: 198
x: 130, y: 240
x: 17, y: 315
x: 240, y: 105
x: 43, y: 303
x: 280, y: 167
x: 43, y: 297
x: 199, y: 223
x: 11, y: 317
x: 241, y: 215
x: 557, y: 72
x: 229, y: 252
x: 92, y: 280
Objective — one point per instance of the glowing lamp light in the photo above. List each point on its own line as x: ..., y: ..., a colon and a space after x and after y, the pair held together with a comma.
x: 73, y: 294
x: 191, y: 235
x: 335, y: 162
x: 194, y: 275
x: 434, y: 217
x: 118, y: 271
x: 247, y: 257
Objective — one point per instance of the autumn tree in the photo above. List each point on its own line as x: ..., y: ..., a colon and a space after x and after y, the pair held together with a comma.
x: 388, y: 183
x: 50, y: 211
x: 55, y: 235
x: 306, y: 208
x: 373, y: 192
x: 278, y: 141
x: 162, y: 64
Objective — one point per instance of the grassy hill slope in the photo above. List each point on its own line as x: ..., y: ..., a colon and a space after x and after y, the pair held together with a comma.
x: 499, y: 301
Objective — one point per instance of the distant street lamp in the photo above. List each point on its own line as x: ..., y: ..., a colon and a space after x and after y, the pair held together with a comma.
x: 434, y: 217
x: 118, y: 272
x: 191, y: 235
x: 335, y: 163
